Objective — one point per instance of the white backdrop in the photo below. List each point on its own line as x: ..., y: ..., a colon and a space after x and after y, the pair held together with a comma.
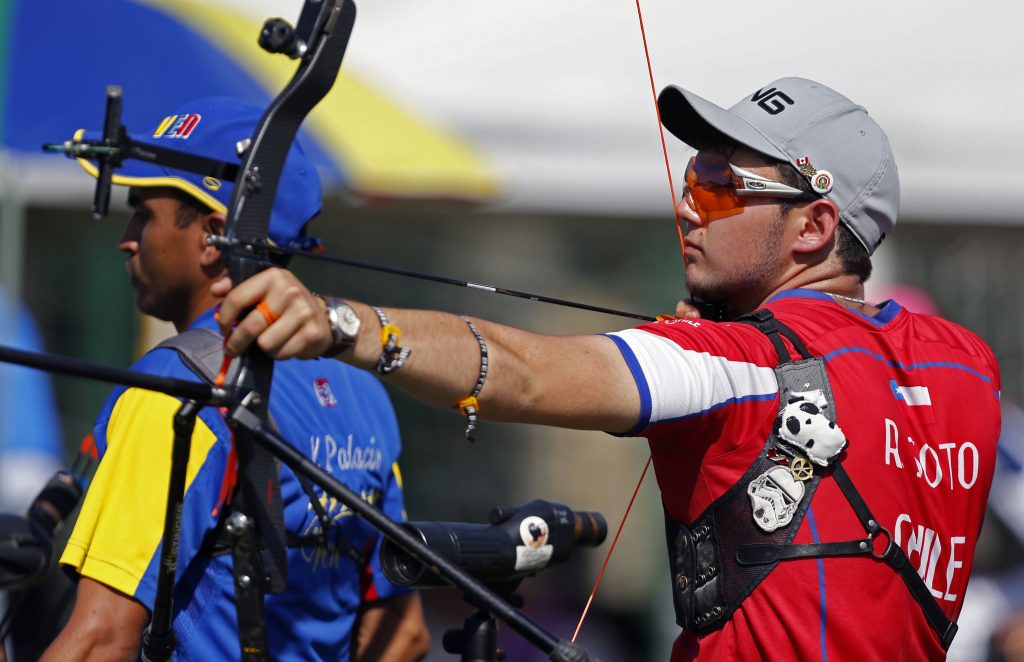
x: 556, y: 94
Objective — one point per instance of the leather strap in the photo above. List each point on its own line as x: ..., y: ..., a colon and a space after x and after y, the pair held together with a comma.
x: 897, y: 559
x: 893, y: 555
x: 764, y: 321
x: 761, y: 554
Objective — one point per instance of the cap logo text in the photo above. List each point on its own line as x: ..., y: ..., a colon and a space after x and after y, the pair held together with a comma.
x: 177, y: 126
x: 772, y: 101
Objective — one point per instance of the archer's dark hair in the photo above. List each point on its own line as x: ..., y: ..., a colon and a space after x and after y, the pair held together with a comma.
x: 851, y: 253
x: 189, y: 209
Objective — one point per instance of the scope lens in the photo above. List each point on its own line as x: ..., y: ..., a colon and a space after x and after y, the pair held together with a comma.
x: 400, y: 567
x: 590, y: 528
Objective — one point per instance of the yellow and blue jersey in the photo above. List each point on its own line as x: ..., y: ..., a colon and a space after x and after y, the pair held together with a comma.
x: 340, y: 417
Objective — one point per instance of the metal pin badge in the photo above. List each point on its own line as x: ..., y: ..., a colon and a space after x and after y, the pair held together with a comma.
x: 822, y: 181
x: 801, y: 469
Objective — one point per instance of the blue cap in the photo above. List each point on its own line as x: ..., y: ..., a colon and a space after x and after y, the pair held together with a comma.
x: 213, y: 127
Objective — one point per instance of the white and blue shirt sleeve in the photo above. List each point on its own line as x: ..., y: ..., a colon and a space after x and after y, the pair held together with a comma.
x: 676, y: 382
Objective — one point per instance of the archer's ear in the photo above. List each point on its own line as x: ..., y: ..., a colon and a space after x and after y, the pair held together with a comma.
x: 818, y: 224
x: 213, y: 223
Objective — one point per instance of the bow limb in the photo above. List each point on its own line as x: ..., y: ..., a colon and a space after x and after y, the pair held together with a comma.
x: 319, y: 42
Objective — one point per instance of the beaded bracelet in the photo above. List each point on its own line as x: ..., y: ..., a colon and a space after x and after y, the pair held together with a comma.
x: 470, y: 406
x: 392, y: 357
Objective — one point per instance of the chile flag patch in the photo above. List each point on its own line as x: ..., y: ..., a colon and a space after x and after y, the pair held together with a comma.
x: 916, y: 401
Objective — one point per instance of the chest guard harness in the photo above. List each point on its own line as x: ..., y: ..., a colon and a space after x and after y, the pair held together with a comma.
x: 719, y: 559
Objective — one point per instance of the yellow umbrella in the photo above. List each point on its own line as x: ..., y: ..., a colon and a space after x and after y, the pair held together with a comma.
x: 384, y: 150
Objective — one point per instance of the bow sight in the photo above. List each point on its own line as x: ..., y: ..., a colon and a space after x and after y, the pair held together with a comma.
x: 319, y: 43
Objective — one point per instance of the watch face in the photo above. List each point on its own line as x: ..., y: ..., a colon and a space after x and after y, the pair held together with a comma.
x: 344, y: 323
x: 348, y: 321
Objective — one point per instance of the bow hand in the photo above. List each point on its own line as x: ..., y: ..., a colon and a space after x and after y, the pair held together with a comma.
x: 274, y: 309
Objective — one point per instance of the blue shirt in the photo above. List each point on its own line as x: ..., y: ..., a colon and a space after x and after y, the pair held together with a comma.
x: 340, y: 417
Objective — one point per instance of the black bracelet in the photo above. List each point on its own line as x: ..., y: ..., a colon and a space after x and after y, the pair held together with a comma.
x: 470, y: 406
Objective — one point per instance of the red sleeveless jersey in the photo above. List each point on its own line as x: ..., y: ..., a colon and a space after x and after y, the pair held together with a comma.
x: 918, y: 399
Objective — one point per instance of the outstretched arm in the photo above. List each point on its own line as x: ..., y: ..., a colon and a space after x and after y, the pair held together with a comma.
x: 104, y: 625
x: 566, y: 381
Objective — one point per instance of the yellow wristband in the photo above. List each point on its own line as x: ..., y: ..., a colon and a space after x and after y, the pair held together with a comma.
x: 385, y: 334
x: 468, y: 402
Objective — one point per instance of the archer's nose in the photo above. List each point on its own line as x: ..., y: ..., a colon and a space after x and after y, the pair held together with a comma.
x: 129, y: 239
x: 686, y: 213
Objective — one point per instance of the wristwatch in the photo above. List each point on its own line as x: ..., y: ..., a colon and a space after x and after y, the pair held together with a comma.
x: 344, y: 323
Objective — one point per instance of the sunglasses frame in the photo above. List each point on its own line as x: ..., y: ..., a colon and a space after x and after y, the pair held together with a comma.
x: 757, y: 186
x: 745, y: 184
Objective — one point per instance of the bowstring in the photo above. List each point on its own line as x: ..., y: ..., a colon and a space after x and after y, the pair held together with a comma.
x: 682, y: 245
x: 661, y: 133
x: 611, y: 549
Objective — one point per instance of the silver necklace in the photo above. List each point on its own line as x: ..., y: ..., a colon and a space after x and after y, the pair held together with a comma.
x: 846, y: 298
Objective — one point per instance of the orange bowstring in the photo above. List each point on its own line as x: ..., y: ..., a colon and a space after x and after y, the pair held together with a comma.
x: 611, y: 549
x: 661, y: 132
x: 682, y: 245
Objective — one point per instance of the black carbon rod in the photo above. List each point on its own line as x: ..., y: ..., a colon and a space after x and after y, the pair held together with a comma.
x: 474, y: 591
x: 455, y: 281
x: 66, y: 365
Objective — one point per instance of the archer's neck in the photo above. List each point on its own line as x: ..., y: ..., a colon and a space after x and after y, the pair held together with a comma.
x: 201, y: 301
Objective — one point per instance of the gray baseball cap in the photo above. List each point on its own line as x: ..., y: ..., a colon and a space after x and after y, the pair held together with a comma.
x: 831, y: 140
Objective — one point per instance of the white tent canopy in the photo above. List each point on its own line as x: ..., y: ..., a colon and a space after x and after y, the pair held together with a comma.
x: 556, y: 94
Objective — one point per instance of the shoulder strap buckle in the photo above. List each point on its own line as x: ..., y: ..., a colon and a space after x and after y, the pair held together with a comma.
x: 764, y: 321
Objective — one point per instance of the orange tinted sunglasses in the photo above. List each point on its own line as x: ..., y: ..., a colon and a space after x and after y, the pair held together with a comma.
x: 717, y: 189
